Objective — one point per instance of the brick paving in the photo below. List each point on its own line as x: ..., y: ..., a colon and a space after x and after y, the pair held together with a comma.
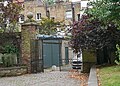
x: 54, y: 78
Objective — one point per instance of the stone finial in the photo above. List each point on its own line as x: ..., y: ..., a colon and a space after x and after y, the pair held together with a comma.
x: 30, y: 15
x: 30, y: 20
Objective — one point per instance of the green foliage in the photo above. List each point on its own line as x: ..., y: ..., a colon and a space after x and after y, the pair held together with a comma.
x: 106, y: 11
x: 1, y: 30
x: 48, y: 26
x: 117, y: 61
x: 50, y: 2
x: 9, y: 57
x: 99, y: 10
x: 10, y: 49
x: 9, y: 60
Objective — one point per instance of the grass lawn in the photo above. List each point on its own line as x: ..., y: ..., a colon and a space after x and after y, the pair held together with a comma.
x: 109, y: 75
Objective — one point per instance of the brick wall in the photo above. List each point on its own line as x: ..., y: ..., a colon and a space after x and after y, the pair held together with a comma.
x: 57, y: 11
x: 13, y: 71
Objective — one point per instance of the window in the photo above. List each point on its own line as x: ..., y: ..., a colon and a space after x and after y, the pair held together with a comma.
x: 84, y: 4
x: 23, y: 6
x: 21, y: 19
x: 69, y: 14
x: 52, y: 18
x: 38, y: 16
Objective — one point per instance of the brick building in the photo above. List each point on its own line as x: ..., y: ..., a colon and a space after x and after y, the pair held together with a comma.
x: 60, y: 11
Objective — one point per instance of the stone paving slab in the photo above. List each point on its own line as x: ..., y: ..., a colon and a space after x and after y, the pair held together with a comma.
x: 54, y: 78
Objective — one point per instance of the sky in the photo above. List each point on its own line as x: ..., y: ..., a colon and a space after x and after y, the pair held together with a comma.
x: 75, y: 0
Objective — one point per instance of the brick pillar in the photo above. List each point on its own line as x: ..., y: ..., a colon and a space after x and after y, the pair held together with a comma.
x: 28, y: 33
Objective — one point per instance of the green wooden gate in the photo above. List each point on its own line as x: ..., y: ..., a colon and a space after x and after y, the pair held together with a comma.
x: 51, y: 52
x: 36, y: 56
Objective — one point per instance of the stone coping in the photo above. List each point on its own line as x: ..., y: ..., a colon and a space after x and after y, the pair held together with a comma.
x: 16, y: 67
x: 92, y: 81
x: 13, y: 71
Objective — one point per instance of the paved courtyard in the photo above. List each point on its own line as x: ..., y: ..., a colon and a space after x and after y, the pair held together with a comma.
x: 54, y: 78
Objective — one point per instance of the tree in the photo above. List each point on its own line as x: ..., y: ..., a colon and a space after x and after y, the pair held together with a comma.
x: 48, y: 26
x: 106, y: 11
x: 50, y: 2
x: 99, y: 28
x: 114, y: 12
x: 9, y: 15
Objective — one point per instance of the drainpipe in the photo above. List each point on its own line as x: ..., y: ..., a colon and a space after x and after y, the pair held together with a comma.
x: 73, y: 12
x: 47, y: 11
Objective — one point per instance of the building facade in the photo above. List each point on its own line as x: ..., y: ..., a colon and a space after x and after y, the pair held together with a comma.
x: 66, y: 12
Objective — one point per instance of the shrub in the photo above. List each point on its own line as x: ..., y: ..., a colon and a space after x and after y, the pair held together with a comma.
x: 9, y: 58
x: 117, y: 61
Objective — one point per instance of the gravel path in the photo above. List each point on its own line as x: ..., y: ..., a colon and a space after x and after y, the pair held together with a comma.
x: 54, y: 78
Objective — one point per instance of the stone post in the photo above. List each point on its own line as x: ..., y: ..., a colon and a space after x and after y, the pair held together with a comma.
x: 89, y: 59
x: 28, y: 33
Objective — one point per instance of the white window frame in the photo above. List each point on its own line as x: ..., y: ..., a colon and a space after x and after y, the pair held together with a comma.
x: 68, y: 14
x: 38, y: 16
x: 21, y: 18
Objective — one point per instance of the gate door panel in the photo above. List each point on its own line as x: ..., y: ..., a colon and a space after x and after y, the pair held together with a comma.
x: 51, y: 53
x: 55, y: 54
x: 47, y: 55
